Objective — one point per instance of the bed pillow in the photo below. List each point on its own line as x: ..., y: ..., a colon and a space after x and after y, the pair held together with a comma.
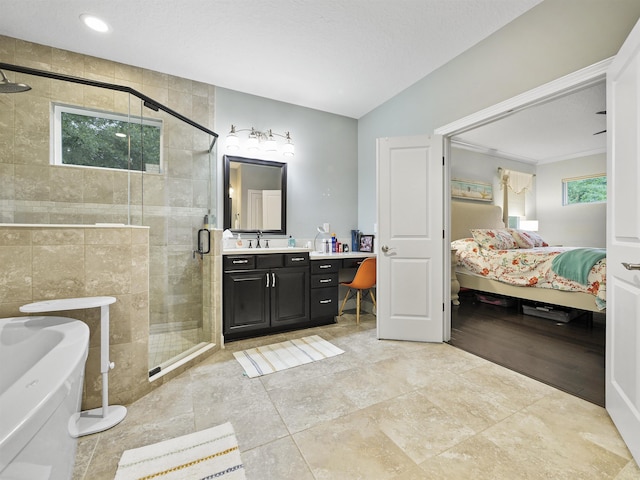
x: 464, y: 244
x: 494, y: 238
x: 526, y: 239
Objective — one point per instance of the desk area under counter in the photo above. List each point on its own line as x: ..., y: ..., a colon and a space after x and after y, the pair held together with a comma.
x: 269, y: 290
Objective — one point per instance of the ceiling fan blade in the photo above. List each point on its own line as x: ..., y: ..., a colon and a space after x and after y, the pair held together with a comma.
x: 598, y: 133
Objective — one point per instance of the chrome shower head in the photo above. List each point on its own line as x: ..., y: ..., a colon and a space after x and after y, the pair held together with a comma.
x: 7, y: 86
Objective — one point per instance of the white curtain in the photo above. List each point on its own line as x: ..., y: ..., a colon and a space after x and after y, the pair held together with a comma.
x: 517, y: 182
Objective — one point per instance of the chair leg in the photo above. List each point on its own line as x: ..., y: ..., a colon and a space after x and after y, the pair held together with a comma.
x: 346, y: 297
x: 358, y: 308
x: 373, y: 299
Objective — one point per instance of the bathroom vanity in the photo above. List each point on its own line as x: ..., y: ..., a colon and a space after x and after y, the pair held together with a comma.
x: 272, y: 290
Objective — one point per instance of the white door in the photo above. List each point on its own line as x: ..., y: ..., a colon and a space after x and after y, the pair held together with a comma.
x: 271, y: 209
x: 254, y: 213
x: 410, y: 238
x: 623, y: 242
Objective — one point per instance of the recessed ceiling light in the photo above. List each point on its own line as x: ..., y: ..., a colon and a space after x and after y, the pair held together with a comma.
x: 94, y: 23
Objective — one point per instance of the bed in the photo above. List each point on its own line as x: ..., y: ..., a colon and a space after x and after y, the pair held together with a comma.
x: 504, y: 271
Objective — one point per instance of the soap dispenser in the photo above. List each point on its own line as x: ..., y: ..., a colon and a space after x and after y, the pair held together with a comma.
x: 292, y: 242
x: 239, y: 242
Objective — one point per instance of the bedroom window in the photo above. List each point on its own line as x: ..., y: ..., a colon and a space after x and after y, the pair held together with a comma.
x: 591, y: 189
x: 93, y: 138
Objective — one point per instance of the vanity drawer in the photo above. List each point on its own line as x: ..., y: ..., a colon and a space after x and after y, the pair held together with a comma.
x: 296, y: 259
x: 324, y: 302
x: 239, y: 262
x: 324, y: 280
x: 352, y: 262
x: 325, y: 266
x: 269, y: 260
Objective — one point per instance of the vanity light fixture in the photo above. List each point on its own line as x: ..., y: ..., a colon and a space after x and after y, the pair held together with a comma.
x: 94, y: 23
x: 257, y: 139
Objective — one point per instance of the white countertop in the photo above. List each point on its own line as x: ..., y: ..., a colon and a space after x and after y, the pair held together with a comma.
x: 319, y: 255
x: 312, y: 254
x: 263, y: 250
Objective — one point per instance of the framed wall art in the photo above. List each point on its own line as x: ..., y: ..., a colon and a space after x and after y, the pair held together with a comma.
x: 471, y: 190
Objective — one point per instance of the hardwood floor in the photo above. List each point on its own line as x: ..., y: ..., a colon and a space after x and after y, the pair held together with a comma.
x: 569, y: 356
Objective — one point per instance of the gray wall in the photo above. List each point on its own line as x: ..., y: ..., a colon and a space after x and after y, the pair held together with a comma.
x: 322, y: 177
x: 553, y: 39
x: 575, y: 225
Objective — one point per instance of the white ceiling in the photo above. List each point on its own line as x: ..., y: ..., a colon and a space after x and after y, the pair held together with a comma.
x: 557, y: 130
x: 340, y: 56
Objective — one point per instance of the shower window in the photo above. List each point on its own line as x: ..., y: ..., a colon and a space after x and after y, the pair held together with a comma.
x: 92, y: 138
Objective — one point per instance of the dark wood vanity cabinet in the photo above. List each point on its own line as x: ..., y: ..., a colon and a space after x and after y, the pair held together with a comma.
x: 265, y: 293
x: 324, y: 289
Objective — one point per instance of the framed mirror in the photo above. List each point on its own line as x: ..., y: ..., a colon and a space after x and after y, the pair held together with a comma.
x: 255, y: 195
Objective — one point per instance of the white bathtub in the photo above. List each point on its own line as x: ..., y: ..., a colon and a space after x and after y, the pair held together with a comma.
x: 41, y: 373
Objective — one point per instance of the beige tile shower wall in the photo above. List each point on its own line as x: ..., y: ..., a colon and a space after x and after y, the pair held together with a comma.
x: 34, y: 191
x: 49, y: 262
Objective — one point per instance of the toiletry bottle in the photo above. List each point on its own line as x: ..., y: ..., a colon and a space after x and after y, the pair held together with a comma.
x: 206, y: 222
x: 239, y: 242
x: 334, y: 243
x: 292, y: 242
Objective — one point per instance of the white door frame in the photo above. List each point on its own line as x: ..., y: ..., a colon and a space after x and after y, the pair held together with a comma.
x: 557, y: 88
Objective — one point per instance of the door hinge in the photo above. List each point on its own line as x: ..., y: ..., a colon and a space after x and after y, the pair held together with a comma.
x: 443, y: 306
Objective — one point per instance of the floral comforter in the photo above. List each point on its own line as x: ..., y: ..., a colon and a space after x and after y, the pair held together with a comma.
x: 529, y: 267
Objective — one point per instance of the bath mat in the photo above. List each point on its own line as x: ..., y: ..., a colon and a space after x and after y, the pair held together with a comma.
x: 207, y: 454
x: 280, y: 356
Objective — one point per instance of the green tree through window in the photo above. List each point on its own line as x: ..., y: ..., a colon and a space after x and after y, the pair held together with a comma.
x: 585, y: 190
x: 101, y: 140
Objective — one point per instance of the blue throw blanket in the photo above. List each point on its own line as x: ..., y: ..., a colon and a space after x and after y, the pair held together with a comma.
x: 576, y: 264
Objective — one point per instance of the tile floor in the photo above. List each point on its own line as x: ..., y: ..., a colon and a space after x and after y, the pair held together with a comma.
x: 163, y: 346
x: 382, y: 410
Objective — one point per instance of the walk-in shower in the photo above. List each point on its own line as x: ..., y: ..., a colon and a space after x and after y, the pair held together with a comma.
x: 82, y: 151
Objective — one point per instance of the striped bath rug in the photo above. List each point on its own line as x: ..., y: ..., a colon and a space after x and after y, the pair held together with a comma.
x: 280, y: 356
x: 207, y: 454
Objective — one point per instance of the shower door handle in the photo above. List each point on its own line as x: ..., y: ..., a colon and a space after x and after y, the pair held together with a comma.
x: 207, y: 235
x: 201, y: 251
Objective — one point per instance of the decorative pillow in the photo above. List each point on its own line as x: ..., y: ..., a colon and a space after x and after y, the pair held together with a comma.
x: 526, y: 239
x: 494, y: 238
x: 464, y: 244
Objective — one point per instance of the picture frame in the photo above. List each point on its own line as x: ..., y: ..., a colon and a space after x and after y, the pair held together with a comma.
x: 471, y: 190
x: 366, y: 243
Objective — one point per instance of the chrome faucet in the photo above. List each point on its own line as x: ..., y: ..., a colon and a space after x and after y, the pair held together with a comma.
x: 258, y: 235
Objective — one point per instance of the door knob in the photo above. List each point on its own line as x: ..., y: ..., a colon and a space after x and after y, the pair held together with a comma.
x: 386, y: 248
x: 631, y: 266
